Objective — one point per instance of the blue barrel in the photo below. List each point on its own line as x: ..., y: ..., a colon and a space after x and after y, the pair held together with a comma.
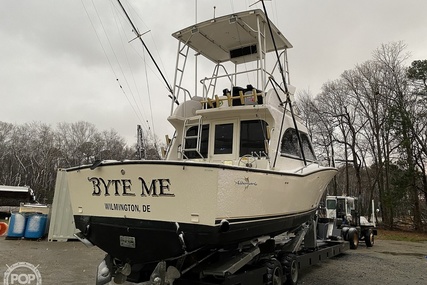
x: 17, y: 224
x: 36, y: 226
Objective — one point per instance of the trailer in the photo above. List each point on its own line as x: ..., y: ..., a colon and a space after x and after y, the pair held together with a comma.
x: 265, y: 260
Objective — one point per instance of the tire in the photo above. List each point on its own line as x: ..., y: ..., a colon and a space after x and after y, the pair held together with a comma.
x: 353, y: 238
x: 369, y: 238
x: 119, y: 278
x: 274, y: 272
x: 291, y: 270
x: 344, y: 233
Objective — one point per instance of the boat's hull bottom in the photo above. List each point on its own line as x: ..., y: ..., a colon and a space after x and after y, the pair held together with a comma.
x: 144, y: 241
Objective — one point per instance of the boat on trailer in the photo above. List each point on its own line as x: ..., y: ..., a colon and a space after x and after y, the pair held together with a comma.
x: 240, y: 165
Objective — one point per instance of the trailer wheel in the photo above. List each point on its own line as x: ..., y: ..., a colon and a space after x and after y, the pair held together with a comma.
x: 274, y: 272
x: 290, y: 266
x: 353, y: 237
x: 119, y: 278
x: 369, y: 238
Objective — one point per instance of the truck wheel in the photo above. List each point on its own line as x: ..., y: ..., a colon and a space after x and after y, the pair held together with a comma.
x: 353, y: 237
x: 344, y: 232
x: 290, y: 266
x: 369, y: 238
x: 274, y: 272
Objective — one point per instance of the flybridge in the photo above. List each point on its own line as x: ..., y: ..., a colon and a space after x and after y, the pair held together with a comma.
x: 228, y: 42
x: 247, y: 53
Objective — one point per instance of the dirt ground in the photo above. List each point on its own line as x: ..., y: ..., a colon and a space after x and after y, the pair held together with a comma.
x: 388, y: 262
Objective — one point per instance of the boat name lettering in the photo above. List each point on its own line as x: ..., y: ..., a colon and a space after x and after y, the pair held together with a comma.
x: 128, y: 207
x: 124, y: 187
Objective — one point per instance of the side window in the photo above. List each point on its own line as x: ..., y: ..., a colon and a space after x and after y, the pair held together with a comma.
x: 290, y: 145
x: 308, y: 150
x: 191, y: 142
x: 223, y: 139
x: 340, y: 208
x: 349, y: 206
x: 253, y: 135
x: 331, y: 204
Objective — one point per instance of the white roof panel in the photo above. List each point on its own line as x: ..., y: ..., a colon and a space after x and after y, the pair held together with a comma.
x: 215, y: 38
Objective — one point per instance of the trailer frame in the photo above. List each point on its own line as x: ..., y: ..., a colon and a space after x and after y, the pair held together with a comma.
x: 265, y: 260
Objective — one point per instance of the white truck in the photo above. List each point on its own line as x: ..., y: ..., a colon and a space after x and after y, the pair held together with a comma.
x: 353, y: 227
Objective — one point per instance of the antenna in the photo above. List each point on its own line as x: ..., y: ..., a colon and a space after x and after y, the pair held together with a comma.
x: 253, y: 4
x: 138, y: 35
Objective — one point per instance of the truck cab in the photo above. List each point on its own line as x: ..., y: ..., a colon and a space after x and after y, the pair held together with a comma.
x: 342, y: 208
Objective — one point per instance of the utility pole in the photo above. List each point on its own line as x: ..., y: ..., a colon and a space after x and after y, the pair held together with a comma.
x: 139, y: 144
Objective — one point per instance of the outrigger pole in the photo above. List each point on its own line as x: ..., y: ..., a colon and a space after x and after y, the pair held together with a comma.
x: 138, y: 35
x: 288, y: 99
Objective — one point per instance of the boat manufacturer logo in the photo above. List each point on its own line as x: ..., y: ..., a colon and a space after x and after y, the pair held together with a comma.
x: 22, y: 273
x: 244, y: 182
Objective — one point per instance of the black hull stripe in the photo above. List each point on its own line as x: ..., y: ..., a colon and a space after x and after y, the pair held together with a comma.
x: 159, y: 240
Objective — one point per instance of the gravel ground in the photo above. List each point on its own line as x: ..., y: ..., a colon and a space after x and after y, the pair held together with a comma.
x: 388, y: 262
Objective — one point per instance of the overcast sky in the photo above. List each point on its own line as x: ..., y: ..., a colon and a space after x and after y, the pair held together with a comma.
x: 57, y: 65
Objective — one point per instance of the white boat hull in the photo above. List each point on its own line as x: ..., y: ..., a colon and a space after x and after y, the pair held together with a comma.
x: 124, y: 206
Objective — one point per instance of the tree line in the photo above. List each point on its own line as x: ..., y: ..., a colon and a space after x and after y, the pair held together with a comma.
x: 30, y: 154
x: 371, y: 123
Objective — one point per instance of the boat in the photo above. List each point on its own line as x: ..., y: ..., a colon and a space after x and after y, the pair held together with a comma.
x: 240, y: 165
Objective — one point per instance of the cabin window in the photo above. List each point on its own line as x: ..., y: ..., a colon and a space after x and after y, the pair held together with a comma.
x: 253, y: 135
x: 191, y: 142
x: 341, y: 207
x: 331, y: 204
x: 223, y: 139
x: 350, y: 206
x: 290, y: 145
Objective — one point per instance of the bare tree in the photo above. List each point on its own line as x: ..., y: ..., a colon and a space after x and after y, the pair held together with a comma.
x: 30, y: 154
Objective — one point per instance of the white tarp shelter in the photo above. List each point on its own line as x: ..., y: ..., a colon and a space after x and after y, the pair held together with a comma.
x: 62, y: 226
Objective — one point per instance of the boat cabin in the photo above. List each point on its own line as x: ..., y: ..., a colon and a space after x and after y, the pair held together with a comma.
x: 238, y: 113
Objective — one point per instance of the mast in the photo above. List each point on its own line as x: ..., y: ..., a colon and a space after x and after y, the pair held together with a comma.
x: 138, y: 35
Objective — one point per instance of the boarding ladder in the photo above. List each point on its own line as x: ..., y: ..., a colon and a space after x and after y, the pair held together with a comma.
x: 188, y: 123
x: 181, y: 61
